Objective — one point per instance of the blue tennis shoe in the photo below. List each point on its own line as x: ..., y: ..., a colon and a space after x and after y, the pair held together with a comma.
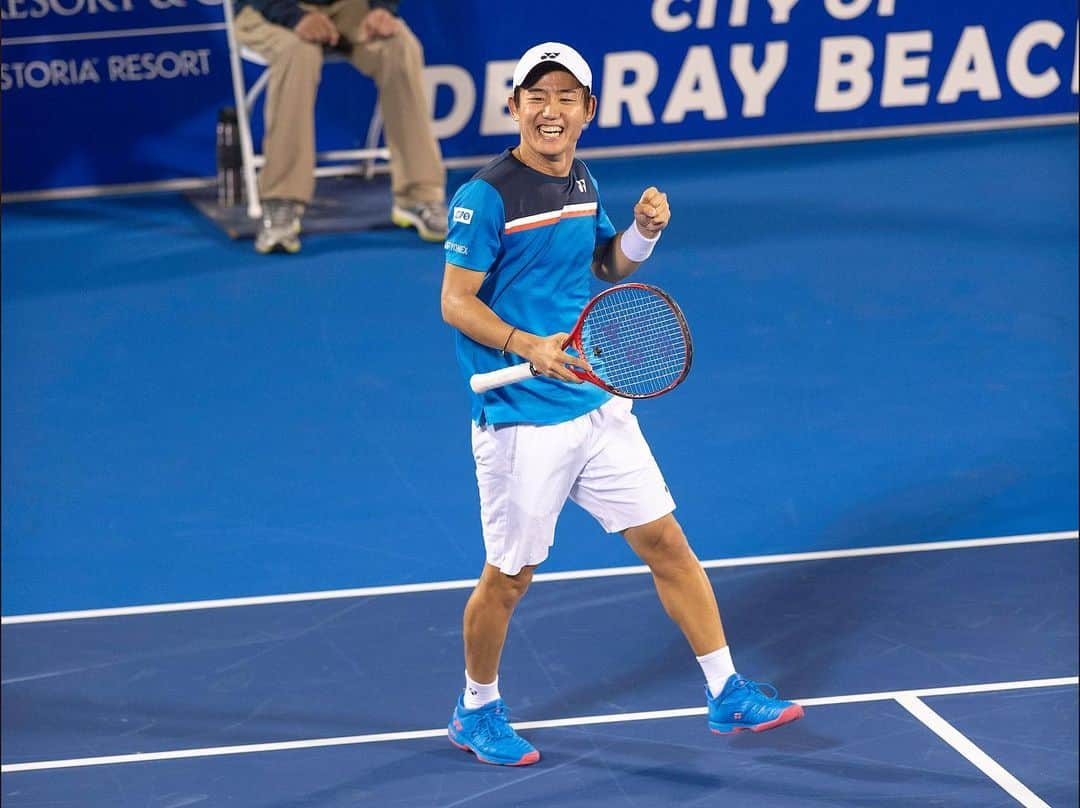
x: 742, y: 705
x: 486, y: 732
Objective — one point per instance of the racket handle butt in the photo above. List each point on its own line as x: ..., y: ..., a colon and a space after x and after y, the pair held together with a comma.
x: 482, y: 382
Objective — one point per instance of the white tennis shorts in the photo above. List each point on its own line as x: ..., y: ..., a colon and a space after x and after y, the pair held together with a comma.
x: 525, y: 473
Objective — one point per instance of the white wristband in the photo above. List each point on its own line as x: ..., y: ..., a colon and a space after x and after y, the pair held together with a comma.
x: 635, y: 245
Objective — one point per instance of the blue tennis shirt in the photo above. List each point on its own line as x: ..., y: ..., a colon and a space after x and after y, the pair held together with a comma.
x: 533, y: 237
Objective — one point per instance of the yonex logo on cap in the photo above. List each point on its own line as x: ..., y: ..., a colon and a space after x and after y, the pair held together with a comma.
x: 563, y: 55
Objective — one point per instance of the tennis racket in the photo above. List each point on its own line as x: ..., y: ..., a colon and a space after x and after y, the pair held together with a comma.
x: 633, y: 335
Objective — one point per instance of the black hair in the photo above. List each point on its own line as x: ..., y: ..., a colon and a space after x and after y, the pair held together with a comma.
x: 538, y: 73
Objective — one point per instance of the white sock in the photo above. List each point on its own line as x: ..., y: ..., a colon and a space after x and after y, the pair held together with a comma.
x: 477, y: 695
x: 717, y: 667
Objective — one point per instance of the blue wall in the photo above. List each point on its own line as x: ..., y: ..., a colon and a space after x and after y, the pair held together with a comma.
x: 100, y: 92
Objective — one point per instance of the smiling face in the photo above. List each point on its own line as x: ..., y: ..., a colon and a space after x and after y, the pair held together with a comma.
x: 551, y: 114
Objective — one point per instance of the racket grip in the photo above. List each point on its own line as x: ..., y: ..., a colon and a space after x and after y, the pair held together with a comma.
x: 482, y: 382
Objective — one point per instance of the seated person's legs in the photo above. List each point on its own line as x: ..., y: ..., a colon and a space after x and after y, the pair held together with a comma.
x: 386, y: 50
x: 287, y: 180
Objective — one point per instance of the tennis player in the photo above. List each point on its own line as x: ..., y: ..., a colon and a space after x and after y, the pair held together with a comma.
x: 524, y: 235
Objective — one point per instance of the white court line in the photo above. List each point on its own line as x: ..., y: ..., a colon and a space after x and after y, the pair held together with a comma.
x: 958, y: 741
x: 436, y: 586
x: 351, y: 740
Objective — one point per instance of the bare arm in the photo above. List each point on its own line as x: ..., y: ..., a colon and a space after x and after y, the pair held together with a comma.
x: 651, y: 215
x: 463, y: 310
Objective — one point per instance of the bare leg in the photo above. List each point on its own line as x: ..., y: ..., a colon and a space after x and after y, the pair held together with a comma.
x: 680, y: 580
x: 487, y: 617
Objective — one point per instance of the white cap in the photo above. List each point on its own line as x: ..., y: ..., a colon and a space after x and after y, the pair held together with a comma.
x: 562, y: 55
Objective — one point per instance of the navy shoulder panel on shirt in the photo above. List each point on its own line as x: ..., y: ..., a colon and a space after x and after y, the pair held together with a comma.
x: 527, y: 192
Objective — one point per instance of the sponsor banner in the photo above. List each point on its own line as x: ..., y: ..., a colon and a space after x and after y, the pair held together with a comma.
x: 110, y: 111
x: 54, y: 18
x: 99, y: 92
x: 679, y: 70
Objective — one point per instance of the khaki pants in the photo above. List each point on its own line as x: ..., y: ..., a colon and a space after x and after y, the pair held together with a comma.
x: 396, y: 66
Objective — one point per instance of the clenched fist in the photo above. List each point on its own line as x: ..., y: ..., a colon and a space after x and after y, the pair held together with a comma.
x: 652, y: 212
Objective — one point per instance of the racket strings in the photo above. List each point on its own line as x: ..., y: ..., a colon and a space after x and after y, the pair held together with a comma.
x: 635, y: 341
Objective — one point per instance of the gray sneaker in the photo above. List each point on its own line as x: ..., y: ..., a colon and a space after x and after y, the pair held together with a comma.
x: 279, y: 227
x: 429, y: 219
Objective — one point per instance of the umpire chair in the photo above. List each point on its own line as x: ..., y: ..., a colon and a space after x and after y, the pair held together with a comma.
x: 372, y: 156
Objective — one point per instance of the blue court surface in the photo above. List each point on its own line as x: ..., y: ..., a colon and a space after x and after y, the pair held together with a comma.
x: 342, y: 701
x: 240, y: 520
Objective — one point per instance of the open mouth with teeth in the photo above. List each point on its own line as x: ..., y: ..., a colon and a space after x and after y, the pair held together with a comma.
x: 550, y: 132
